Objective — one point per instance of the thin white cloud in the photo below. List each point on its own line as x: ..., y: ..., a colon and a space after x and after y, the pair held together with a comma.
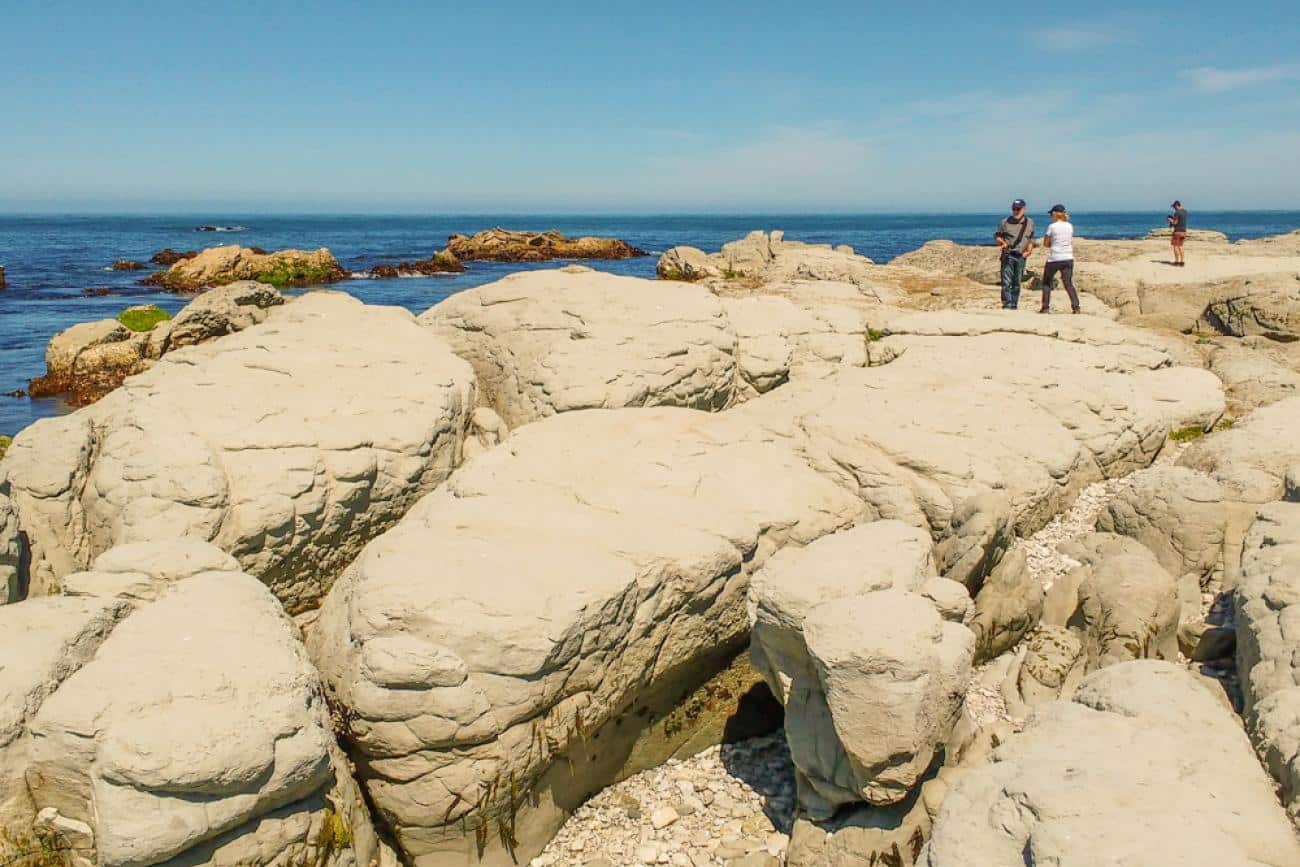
x: 1215, y: 79
x: 782, y: 164
x: 1082, y: 37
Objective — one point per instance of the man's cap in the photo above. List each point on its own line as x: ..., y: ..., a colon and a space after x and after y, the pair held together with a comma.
x: 1057, y: 209
x: 1018, y: 203
x: 1176, y: 204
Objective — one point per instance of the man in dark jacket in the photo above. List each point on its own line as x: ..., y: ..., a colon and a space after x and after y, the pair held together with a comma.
x: 1015, y: 237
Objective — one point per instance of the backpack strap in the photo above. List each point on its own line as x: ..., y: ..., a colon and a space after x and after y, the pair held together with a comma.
x: 1024, y: 224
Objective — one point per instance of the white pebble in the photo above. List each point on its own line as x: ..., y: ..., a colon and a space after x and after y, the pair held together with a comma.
x: 662, y: 817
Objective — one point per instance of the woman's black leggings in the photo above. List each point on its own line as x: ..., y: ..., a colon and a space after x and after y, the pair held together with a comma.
x: 1066, y: 270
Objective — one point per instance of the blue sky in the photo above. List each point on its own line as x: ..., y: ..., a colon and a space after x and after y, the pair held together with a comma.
x: 629, y: 107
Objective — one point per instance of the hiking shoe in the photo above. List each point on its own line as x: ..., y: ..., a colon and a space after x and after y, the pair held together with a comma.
x: 1074, y: 310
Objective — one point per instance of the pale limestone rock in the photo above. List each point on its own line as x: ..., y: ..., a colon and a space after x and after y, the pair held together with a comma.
x: 486, y: 430
x: 893, y: 673
x: 1250, y: 460
x: 1267, y: 604
x: 141, y: 571
x: 769, y: 258
x: 544, y: 342
x: 514, y: 623
x: 1052, y: 667
x: 779, y: 334
x: 917, y: 439
x: 881, y: 555
x: 1064, y: 353
x: 1253, y: 378
x: 197, y: 715
x: 980, y: 534
x: 288, y: 445
x: 1127, y: 603
x: 220, y: 311
x: 950, y: 599
x: 949, y: 257
x: 1176, y: 513
x: 686, y: 263
x: 45, y: 642
x: 67, y: 346
x: 1009, y: 604
x: 1193, y: 235
x: 1271, y: 309
x: 12, y: 554
x: 870, y: 675
x: 1137, y: 770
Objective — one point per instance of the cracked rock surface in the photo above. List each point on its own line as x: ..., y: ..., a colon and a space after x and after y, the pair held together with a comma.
x: 288, y: 445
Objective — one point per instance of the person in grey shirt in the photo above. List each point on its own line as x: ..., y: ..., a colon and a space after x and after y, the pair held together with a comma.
x: 1178, y: 222
x: 1015, y: 238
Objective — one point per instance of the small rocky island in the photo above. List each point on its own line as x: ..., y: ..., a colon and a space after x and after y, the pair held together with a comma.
x: 503, y: 245
x: 326, y: 582
x: 217, y: 266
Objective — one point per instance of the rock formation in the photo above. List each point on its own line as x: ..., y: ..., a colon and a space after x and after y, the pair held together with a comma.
x: 544, y: 342
x: 766, y: 257
x: 189, y: 724
x: 1135, y: 770
x: 289, y: 445
x: 1126, y: 604
x: 503, y: 245
x: 1177, y: 514
x: 1271, y: 311
x: 1194, y: 236
x: 870, y: 673
x: 217, y: 266
x: 1251, y: 460
x: 441, y: 262
x: 1267, y: 602
x: 937, y: 424
x: 168, y: 257
x: 12, y: 545
x: 490, y: 697
x: 89, y: 360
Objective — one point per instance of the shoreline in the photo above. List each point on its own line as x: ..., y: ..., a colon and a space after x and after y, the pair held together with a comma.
x: 54, y: 301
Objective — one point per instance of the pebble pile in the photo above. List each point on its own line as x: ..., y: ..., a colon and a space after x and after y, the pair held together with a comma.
x: 1045, y: 562
x: 732, y: 804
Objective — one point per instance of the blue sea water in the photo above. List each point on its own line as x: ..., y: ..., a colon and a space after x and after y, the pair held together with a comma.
x: 49, y: 260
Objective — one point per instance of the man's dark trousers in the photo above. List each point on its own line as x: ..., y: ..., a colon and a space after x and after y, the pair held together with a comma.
x: 1013, y: 272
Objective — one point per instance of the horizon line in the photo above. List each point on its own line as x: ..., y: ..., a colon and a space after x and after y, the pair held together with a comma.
x: 163, y: 212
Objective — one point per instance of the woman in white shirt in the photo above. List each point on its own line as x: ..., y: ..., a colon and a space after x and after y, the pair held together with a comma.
x: 1059, y: 243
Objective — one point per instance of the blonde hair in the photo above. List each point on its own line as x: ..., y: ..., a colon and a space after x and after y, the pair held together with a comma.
x: 1060, y: 215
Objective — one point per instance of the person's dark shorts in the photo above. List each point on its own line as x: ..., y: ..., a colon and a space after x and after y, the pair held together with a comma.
x: 1178, y: 238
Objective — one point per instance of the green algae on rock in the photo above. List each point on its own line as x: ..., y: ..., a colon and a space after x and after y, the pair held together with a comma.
x: 143, y: 317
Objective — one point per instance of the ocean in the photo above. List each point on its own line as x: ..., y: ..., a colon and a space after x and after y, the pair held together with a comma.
x: 50, y: 260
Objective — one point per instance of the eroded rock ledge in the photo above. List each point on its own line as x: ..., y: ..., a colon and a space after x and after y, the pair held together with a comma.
x: 289, y: 445
x: 167, y: 710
